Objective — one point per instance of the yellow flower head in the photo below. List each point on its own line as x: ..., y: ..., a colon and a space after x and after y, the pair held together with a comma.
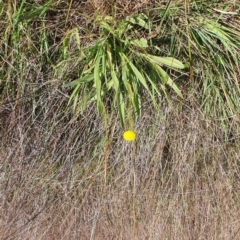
x: 129, y: 135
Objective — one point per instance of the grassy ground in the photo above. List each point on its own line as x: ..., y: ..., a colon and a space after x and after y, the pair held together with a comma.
x: 66, y: 171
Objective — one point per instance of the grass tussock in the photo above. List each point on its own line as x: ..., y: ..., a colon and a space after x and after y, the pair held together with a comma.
x: 66, y: 171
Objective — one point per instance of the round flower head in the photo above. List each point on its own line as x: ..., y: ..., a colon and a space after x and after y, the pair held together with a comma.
x: 129, y: 135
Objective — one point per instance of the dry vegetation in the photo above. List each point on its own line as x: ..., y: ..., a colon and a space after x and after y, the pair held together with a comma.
x: 68, y: 176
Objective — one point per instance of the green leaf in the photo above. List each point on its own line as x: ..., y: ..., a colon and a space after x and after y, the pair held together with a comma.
x: 115, y: 80
x: 139, y: 20
x: 74, y: 97
x: 140, y: 42
x: 125, y: 71
x: 168, y: 61
x: 154, y: 89
x: 169, y: 81
x: 98, y: 82
x: 84, y: 79
x: 136, y: 99
x: 121, y: 108
x: 138, y: 75
x: 166, y: 80
x: 215, y: 28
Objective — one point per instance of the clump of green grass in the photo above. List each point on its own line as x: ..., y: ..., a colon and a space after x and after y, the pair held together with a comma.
x: 119, y: 65
x: 72, y: 175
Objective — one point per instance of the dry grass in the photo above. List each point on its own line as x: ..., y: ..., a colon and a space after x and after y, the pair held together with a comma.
x: 53, y: 181
x: 69, y: 177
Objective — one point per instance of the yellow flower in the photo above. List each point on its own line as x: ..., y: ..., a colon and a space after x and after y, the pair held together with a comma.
x: 129, y: 135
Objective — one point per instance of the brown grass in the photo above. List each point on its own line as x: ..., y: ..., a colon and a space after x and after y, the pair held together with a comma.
x: 53, y: 181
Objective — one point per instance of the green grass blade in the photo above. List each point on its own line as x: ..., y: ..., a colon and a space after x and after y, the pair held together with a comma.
x: 97, y: 80
x: 167, y: 80
x: 121, y: 107
x: 136, y: 72
x: 168, y: 61
x: 84, y: 79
